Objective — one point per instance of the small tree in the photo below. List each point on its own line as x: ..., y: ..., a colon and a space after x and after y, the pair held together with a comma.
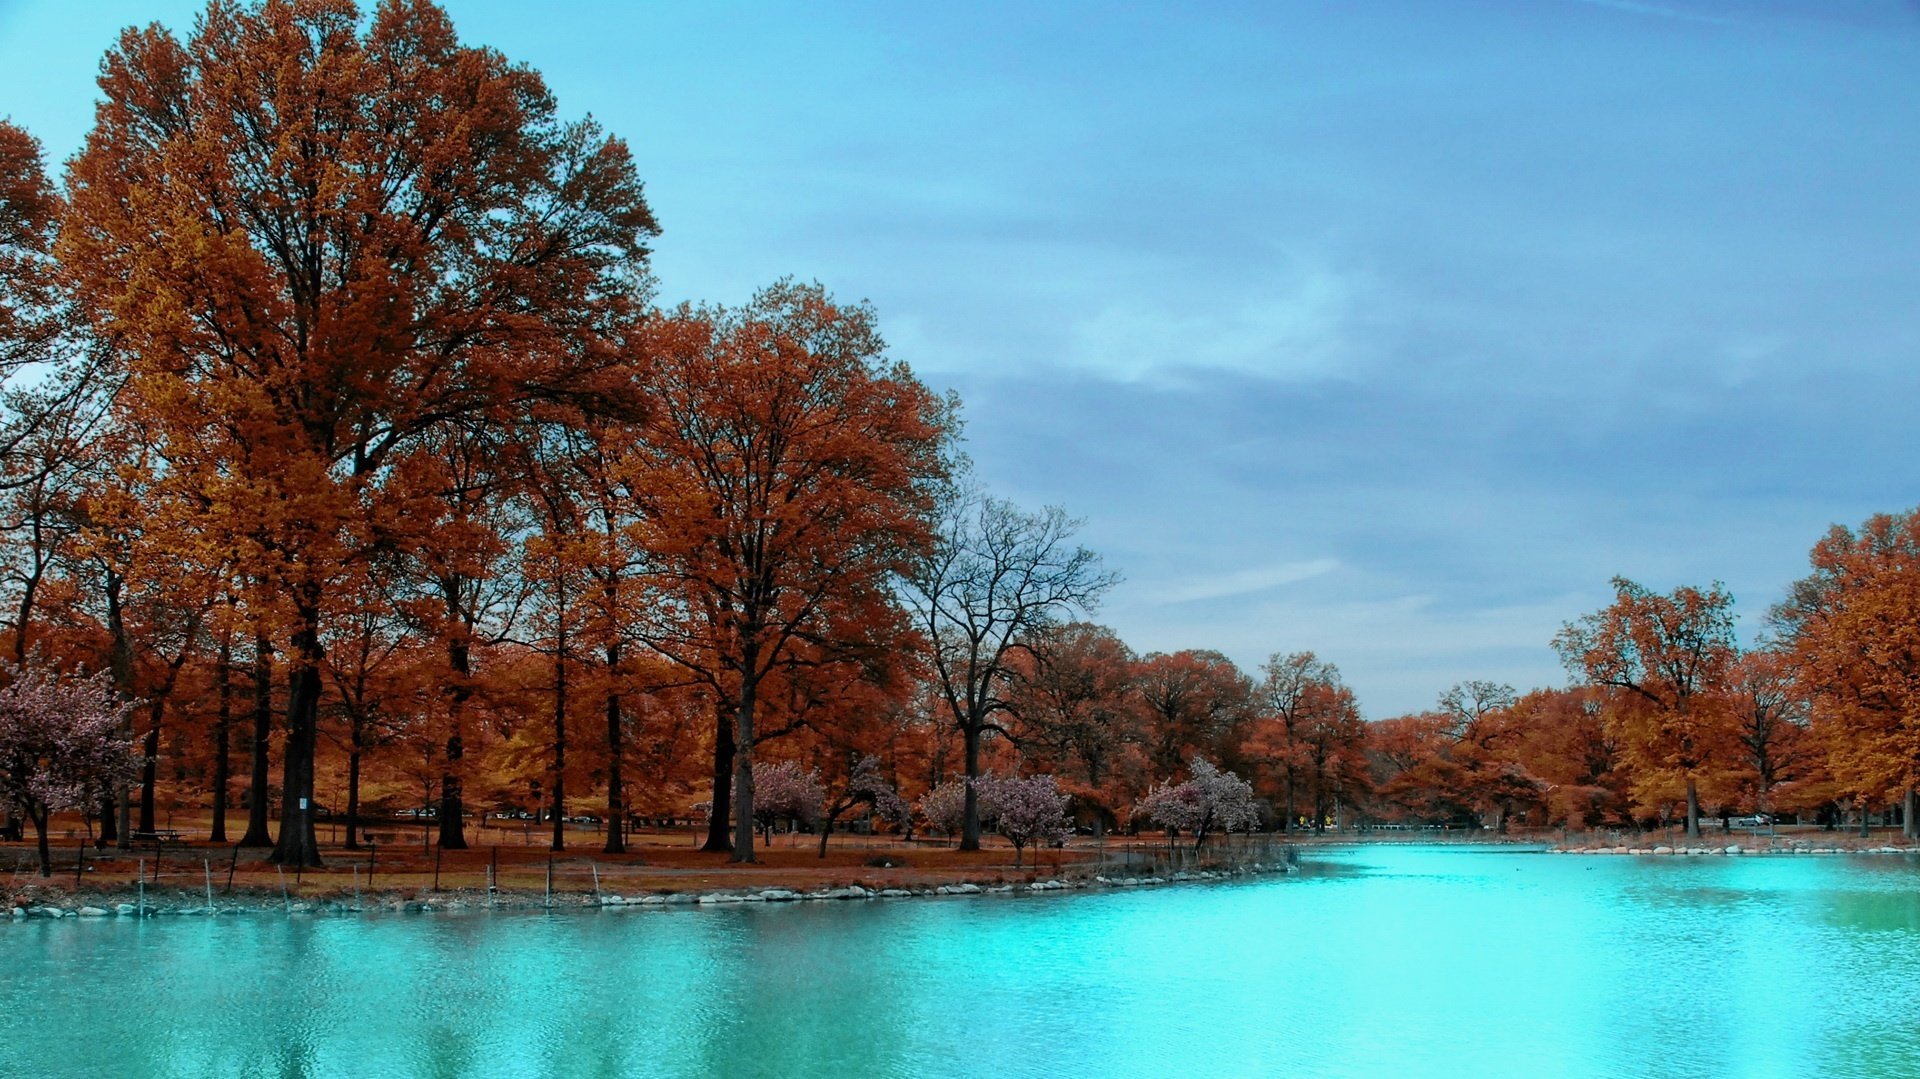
x: 1024, y: 809
x: 1209, y: 801
x: 944, y: 808
x: 61, y: 746
x: 866, y: 786
x: 783, y: 791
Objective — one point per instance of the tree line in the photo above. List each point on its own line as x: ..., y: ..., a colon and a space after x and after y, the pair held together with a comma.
x: 350, y: 466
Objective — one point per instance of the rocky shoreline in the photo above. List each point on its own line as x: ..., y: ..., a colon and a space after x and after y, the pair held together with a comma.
x: 1736, y: 849
x: 466, y: 900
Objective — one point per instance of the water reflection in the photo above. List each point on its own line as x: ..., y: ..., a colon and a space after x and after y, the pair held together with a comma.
x: 1373, y: 960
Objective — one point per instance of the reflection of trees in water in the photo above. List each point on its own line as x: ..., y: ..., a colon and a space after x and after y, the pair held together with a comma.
x: 1874, y: 911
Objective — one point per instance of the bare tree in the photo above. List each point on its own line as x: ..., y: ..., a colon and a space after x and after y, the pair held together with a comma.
x: 997, y: 574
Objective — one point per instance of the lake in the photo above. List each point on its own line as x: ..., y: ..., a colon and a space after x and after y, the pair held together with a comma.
x: 1376, y: 960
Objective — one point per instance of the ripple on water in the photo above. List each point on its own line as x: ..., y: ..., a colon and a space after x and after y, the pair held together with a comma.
x: 1371, y: 961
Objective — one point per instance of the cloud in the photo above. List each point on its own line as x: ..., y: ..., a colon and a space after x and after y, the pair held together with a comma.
x: 1298, y: 325
x: 1658, y: 11
x: 1242, y: 583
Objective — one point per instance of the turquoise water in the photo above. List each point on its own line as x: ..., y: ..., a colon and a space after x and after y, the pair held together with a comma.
x: 1385, y: 961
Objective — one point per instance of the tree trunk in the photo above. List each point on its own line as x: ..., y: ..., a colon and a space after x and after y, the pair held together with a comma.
x: 616, y: 800
x: 114, y: 828
x: 826, y: 829
x: 1286, y: 824
x: 560, y: 746
x: 257, y: 834
x: 970, y: 819
x: 453, y: 810
x: 1866, y: 819
x: 1908, y: 829
x: 39, y: 815
x: 1693, y: 810
x: 297, y: 845
x: 222, y: 739
x: 354, y: 748
x: 743, y: 760
x: 719, y: 820
x: 150, y: 763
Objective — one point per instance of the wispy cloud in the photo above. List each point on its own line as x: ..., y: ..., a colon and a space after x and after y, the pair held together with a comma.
x: 1296, y: 324
x: 1244, y: 582
x: 1658, y: 11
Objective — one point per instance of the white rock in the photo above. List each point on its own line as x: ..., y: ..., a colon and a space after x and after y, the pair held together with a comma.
x: 91, y: 912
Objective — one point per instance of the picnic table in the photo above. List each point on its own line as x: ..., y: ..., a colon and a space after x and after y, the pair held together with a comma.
x: 158, y: 838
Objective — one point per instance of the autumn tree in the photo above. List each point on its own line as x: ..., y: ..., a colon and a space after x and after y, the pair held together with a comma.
x: 995, y: 576
x: 785, y: 477
x: 1292, y: 684
x: 1852, y: 631
x: 461, y: 486
x: 1196, y: 703
x: 1666, y: 660
x: 1074, y: 704
x: 1770, y: 726
x: 315, y: 240
x: 1563, y: 744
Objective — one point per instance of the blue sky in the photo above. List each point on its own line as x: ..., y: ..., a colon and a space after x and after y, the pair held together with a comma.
x: 1386, y: 330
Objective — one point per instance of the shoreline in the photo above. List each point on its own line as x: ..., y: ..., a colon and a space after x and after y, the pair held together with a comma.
x: 117, y: 905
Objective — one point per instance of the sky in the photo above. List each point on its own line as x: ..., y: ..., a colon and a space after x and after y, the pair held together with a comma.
x: 1386, y: 330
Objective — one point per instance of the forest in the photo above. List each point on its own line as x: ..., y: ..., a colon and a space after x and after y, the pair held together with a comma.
x: 350, y: 469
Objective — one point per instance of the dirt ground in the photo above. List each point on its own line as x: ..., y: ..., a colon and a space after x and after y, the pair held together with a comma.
x: 517, y: 859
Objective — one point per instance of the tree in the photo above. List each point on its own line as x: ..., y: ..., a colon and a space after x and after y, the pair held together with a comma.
x: 316, y: 241
x: 60, y: 745
x: 1852, y: 631
x: 786, y: 792
x: 995, y: 576
x: 944, y: 806
x: 1770, y: 726
x: 1074, y: 702
x: 1197, y: 703
x: 1289, y: 686
x: 1026, y: 809
x: 867, y: 786
x: 784, y: 478
x: 1667, y: 659
x: 30, y: 210
x: 1208, y: 801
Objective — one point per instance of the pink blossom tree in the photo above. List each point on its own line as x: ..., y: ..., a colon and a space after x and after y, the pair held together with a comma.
x: 944, y: 808
x: 784, y: 791
x: 1025, y: 809
x: 60, y: 745
x: 1209, y: 801
x: 866, y: 786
